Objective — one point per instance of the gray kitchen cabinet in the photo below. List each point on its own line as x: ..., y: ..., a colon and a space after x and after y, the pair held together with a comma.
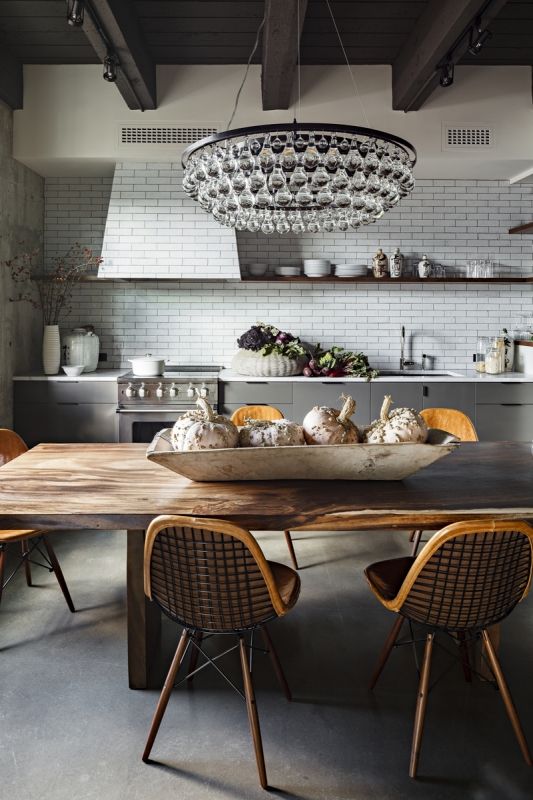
x: 313, y: 392
x: 64, y: 411
x: 461, y: 396
x: 505, y: 422
x: 404, y: 394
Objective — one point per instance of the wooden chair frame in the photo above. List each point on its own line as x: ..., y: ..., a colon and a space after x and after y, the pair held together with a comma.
x: 191, y: 637
x: 398, y: 603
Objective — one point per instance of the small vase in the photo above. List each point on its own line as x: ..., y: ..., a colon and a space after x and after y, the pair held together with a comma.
x: 51, y: 350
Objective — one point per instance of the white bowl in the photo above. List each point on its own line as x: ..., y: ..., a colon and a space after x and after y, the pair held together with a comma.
x: 257, y: 269
x: 73, y: 371
x: 288, y: 272
x: 317, y: 262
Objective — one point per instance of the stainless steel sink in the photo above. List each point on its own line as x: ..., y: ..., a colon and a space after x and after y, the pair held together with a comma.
x: 417, y: 373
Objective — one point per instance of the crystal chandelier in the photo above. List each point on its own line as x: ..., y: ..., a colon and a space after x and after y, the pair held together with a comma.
x: 298, y: 177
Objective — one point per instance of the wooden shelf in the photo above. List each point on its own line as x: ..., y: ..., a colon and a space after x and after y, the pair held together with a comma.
x: 376, y: 281
x: 527, y: 228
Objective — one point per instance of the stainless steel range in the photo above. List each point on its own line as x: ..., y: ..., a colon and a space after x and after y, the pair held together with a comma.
x: 146, y: 405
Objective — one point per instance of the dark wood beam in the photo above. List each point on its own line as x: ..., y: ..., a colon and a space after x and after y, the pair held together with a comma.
x: 441, y: 31
x: 10, y: 78
x: 136, y: 77
x: 280, y: 37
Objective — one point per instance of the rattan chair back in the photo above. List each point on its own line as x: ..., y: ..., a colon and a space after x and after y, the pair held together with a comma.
x: 469, y: 576
x: 240, y: 415
x: 209, y: 575
x: 451, y: 420
x: 11, y: 445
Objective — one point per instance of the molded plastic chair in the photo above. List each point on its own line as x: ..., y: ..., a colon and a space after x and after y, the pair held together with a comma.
x: 240, y: 415
x: 211, y: 577
x: 469, y: 576
x: 455, y: 422
x: 11, y: 446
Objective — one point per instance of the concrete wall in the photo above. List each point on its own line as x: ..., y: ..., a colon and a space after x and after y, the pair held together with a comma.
x: 21, y: 221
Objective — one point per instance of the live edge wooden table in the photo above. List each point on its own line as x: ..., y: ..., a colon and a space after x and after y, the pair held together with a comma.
x: 114, y: 486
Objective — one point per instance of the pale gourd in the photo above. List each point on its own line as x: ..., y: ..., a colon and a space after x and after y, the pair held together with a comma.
x: 203, y: 429
x: 399, y: 425
x: 323, y: 425
x: 270, y: 433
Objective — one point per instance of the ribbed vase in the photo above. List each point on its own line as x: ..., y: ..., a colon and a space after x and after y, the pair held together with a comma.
x: 51, y: 350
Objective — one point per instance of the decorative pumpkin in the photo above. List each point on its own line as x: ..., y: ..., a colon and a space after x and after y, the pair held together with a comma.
x: 270, y: 433
x: 399, y: 425
x: 202, y: 429
x: 324, y: 425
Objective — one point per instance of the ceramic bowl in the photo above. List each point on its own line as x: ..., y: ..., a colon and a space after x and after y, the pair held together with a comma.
x: 73, y: 371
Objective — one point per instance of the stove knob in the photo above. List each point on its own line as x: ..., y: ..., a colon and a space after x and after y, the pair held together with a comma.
x: 191, y: 392
x: 159, y: 391
x: 204, y: 391
x: 173, y: 391
x: 142, y: 390
x: 130, y: 391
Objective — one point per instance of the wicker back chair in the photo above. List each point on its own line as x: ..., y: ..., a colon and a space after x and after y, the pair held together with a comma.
x: 240, y: 415
x: 468, y: 577
x: 31, y: 542
x: 211, y: 577
x: 451, y: 420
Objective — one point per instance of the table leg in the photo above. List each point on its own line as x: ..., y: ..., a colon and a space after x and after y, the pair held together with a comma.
x: 144, y: 619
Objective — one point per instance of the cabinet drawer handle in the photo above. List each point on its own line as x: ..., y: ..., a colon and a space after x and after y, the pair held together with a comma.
x: 511, y: 404
x: 425, y: 391
x: 257, y: 383
x: 62, y: 403
x: 337, y: 383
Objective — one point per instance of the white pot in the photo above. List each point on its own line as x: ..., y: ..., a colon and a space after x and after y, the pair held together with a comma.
x: 51, y: 350
x: 147, y: 366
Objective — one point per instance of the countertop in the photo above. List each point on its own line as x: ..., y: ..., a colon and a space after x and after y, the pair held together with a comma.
x: 469, y: 376
x: 99, y: 375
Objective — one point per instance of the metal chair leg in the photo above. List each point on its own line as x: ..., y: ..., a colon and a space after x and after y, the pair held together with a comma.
x: 58, y: 573
x: 193, y: 658
x: 276, y: 663
x: 166, y: 692
x: 253, y: 718
x: 387, y: 648
x: 290, y: 547
x: 2, y: 567
x: 416, y: 537
x: 421, y: 703
x: 506, y: 697
x: 27, y: 565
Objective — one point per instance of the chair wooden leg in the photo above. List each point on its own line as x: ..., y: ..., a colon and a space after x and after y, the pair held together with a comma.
x: 193, y: 658
x: 27, y: 566
x: 387, y: 648
x: 276, y: 663
x: 417, y: 536
x: 58, y: 573
x: 421, y: 703
x: 506, y: 697
x: 2, y: 567
x: 465, y: 658
x: 166, y: 692
x: 290, y: 547
x: 253, y: 717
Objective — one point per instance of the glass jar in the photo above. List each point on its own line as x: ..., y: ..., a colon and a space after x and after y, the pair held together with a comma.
x: 81, y: 347
x: 493, y: 361
x: 483, y: 344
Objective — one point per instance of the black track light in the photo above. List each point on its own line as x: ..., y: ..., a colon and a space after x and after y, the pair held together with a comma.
x: 446, y: 74
x: 75, y: 12
x: 478, y: 38
x: 110, y: 67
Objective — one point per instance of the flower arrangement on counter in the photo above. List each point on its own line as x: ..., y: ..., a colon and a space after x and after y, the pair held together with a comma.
x: 267, y: 340
x: 54, y: 286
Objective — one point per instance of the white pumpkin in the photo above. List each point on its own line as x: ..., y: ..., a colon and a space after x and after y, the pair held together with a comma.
x: 202, y: 429
x: 399, y: 425
x: 323, y: 425
x: 270, y: 433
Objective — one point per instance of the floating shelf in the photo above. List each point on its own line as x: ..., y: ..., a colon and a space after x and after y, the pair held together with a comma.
x: 527, y: 228
x: 376, y: 281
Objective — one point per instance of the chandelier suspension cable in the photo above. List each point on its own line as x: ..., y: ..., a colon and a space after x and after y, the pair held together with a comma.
x: 246, y: 71
x: 298, y: 60
x: 352, y: 76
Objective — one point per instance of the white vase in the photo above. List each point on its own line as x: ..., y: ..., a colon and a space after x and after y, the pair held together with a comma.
x: 51, y: 350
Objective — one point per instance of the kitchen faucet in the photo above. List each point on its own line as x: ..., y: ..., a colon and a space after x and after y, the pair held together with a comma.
x: 402, y: 348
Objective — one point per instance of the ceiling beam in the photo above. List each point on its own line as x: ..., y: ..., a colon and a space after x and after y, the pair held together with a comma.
x: 10, y: 78
x: 280, y: 38
x: 136, y: 76
x: 440, y: 35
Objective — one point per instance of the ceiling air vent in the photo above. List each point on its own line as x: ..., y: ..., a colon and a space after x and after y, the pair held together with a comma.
x: 456, y: 137
x: 135, y: 136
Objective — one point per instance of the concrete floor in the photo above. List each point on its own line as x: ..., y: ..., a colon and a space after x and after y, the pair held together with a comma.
x: 70, y: 729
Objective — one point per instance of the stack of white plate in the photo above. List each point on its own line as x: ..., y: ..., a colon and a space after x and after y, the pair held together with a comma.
x: 288, y: 272
x: 351, y: 270
x: 317, y: 267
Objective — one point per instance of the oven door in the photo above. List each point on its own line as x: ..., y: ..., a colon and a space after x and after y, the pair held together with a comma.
x: 142, y: 424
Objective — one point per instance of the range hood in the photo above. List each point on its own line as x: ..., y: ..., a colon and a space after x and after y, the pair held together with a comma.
x: 153, y: 230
